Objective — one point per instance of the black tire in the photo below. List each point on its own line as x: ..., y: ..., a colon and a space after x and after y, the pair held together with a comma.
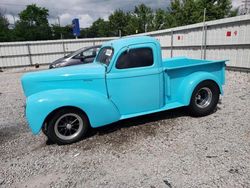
x: 44, y: 129
x: 200, y: 105
x: 56, y: 128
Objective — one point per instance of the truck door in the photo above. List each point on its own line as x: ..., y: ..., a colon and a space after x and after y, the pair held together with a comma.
x: 134, y: 80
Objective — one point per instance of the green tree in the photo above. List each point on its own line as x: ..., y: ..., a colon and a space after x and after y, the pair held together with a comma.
x: 56, y: 31
x: 118, y: 21
x: 33, y: 24
x: 145, y: 17
x: 84, y: 33
x: 99, y: 28
x: 184, y: 12
x: 160, y: 19
x: 67, y: 32
x: 133, y: 24
x: 216, y: 9
x: 4, y: 30
x: 59, y: 32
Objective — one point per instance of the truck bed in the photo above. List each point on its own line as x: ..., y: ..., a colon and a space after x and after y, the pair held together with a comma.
x: 184, y: 62
x: 178, y: 70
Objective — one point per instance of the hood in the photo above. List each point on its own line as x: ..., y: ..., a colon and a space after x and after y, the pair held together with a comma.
x: 63, y: 59
x: 61, y: 77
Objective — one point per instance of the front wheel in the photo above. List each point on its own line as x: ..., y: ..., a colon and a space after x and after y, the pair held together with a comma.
x: 67, y: 126
x: 204, y: 99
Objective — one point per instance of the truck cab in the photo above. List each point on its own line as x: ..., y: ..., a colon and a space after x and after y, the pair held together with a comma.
x: 134, y: 75
x: 128, y: 78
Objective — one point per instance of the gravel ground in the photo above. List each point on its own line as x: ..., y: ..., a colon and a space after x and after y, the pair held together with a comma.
x: 167, y: 149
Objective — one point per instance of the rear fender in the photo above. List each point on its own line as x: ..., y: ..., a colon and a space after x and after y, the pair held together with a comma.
x: 190, y: 82
x: 99, y: 109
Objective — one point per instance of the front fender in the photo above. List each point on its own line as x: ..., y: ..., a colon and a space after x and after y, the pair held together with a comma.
x: 99, y: 109
x: 190, y: 82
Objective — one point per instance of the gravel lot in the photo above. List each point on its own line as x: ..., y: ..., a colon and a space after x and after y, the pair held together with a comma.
x: 168, y: 149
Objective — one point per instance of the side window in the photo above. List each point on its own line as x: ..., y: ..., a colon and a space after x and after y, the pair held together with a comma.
x: 140, y: 57
x: 77, y: 56
x: 88, y: 52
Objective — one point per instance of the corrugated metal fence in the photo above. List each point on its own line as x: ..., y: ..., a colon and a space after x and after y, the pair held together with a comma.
x: 14, y: 54
x: 220, y: 39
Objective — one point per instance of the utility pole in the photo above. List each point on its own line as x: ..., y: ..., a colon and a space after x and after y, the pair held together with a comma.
x: 14, y: 19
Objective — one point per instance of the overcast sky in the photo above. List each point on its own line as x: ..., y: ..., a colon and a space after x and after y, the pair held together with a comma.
x: 86, y: 10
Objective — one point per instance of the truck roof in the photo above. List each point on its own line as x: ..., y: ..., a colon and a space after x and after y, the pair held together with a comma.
x: 127, y: 41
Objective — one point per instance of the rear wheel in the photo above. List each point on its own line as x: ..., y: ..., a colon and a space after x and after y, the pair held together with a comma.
x: 204, y: 99
x: 67, y: 126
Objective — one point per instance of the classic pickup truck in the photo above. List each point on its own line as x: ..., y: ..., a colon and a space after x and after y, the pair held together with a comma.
x: 128, y: 78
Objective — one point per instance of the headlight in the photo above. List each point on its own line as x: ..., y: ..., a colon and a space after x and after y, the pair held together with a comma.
x: 57, y: 65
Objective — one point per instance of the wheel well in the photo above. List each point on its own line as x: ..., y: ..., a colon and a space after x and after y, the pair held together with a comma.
x: 212, y: 81
x: 60, y: 108
x: 215, y: 83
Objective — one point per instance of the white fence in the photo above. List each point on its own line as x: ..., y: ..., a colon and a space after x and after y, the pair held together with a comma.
x: 220, y: 39
x: 14, y: 54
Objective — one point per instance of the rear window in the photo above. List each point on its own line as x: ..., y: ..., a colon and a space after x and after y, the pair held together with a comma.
x: 105, y: 55
x: 139, y: 57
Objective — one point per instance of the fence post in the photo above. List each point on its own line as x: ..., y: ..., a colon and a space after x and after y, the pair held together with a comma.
x: 63, y: 45
x: 203, y: 34
x: 29, y: 53
x: 205, y: 43
x: 172, y: 42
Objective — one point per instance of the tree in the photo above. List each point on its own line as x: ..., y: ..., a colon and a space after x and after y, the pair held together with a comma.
x: 160, y: 19
x: 4, y: 30
x: 59, y: 32
x: 56, y: 31
x: 183, y: 12
x: 4, y: 23
x: 133, y: 24
x: 118, y: 21
x: 33, y: 24
x: 216, y: 9
x: 186, y: 12
x: 99, y: 28
x: 145, y: 17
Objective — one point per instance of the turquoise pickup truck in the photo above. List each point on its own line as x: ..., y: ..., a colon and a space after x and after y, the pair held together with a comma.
x: 128, y: 78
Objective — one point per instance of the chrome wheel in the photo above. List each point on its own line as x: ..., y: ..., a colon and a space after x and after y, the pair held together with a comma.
x: 68, y: 126
x: 203, y: 97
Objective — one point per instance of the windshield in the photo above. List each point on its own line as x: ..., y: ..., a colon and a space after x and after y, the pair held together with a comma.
x: 74, y: 53
x: 105, y: 55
